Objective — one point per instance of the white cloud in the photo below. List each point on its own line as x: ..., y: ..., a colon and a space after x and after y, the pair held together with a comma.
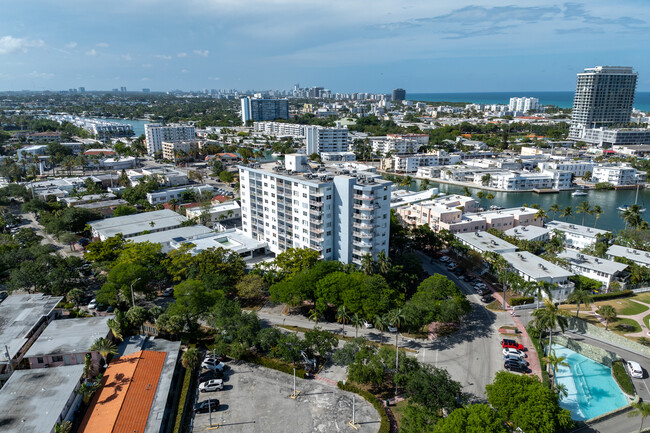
x: 9, y: 44
x: 103, y: 45
x: 145, y: 79
x: 184, y: 71
x: 42, y: 75
x: 146, y: 65
x: 71, y: 45
x: 181, y: 55
x: 202, y: 53
x: 91, y: 52
x: 162, y: 57
x: 214, y: 78
x: 127, y: 57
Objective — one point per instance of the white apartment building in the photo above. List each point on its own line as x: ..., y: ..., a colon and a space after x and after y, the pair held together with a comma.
x: 320, y: 139
x: 343, y: 216
x: 280, y: 129
x: 484, y: 242
x: 163, y: 196
x: 578, y: 168
x: 411, y: 163
x: 399, y: 143
x: 171, y: 149
x: 516, y: 181
x: 524, y: 104
x: 218, y: 212
x: 617, y: 175
x: 560, y: 179
x: 640, y: 257
x: 592, y: 267
x: 533, y: 268
x: 338, y: 156
x: 166, y: 176
x: 576, y: 236
x: 155, y: 134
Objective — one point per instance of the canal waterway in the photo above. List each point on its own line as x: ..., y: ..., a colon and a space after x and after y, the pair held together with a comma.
x: 609, y: 201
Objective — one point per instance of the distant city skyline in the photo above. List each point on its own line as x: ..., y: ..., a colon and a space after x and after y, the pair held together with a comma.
x: 419, y: 45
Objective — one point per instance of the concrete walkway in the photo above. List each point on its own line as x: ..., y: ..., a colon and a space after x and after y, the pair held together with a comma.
x: 645, y: 332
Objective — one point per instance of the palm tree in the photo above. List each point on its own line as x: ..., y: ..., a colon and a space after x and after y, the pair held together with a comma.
x: 380, y: 323
x: 105, y: 347
x: 367, y: 264
x: 191, y: 359
x: 538, y: 289
x: 608, y: 313
x: 489, y: 197
x: 396, y: 317
x: 116, y: 328
x: 632, y: 216
x: 561, y: 390
x: 63, y: 427
x: 467, y: 192
x: 551, y: 316
x: 342, y: 316
x: 173, y: 202
x: 555, y: 208
x: 596, y: 210
x: 541, y: 214
x: 485, y: 179
x: 580, y: 297
x: 640, y: 408
x: 584, y: 208
x: 567, y: 212
x: 314, y: 315
x: 383, y: 263
x: 356, y: 321
x: 555, y: 361
x: 480, y: 195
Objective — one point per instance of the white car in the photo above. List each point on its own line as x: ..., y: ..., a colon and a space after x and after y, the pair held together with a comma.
x: 213, y: 365
x: 93, y: 304
x: 509, y: 351
x: 480, y: 285
x: 367, y: 324
x: 211, y: 385
x: 392, y: 329
x: 444, y: 259
x: 635, y: 369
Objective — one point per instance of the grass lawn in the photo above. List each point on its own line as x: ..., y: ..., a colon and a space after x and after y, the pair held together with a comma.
x: 398, y: 411
x: 624, y: 306
x: 643, y: 297
x: 495, y: 306
x: 618, y: 325
x: 646, y: 319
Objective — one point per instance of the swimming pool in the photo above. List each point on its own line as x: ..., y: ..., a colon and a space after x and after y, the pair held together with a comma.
x: 590, y: 385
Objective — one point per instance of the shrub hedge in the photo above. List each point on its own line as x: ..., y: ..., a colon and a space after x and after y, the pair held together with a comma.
x: 182, y: 401
x: 612, y: 295
x: 384, y: 427
x: 274, y: 364
x: 623, y: 380
x: 522, y: 300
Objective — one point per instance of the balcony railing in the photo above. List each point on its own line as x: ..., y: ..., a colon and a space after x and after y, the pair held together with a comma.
x: 361, y: 244
x: 316, y: 203
x: 362, y: 216
x: 363, y: 197
x: 363, y: 234
x: 363, y: 226
x: 363, y: 207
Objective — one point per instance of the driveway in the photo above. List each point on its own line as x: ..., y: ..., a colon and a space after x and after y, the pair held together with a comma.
x: 257, y: 399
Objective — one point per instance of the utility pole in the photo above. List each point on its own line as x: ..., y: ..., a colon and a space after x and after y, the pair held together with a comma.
x: 132, y: 294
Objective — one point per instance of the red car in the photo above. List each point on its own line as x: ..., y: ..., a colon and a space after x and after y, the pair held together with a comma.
x: 511, y: 344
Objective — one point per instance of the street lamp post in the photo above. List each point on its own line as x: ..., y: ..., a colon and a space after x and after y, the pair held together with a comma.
x: 132, y: 294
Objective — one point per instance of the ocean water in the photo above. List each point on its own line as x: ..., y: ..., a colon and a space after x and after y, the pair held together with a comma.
x: 560, y: 99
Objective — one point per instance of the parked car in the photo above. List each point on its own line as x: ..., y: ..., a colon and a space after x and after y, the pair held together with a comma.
x: 516, y: 352
x: 110, y: 309
x: 93, y: 304
x: 3, y: 296
x: 483, y: 292
x: 480, y: 285
x: 515, y: 358
x: 101, y: 307
x: 458, y: 271
x: 515, y: 366
x: 169, y: 291
x: 211, y: 385
x: 487, y: 299
x: 214, y: 357
x: 367, y: 324
x: 511, y: 344
x: 210, y: 405
x: 635, y: 369
x: 444, y: 259
x: 392, y: 329
x: 211, y: 364
x: 209, y: 375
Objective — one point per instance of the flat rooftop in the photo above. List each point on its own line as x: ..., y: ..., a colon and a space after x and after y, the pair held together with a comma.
x: 574, y: 229
x: 514, y: 211
x: 535, y: 267
x: 592, y: 263
x: 179, y: 234
x: 138, y: 223
x: 19, y: 314
x: 633, y: 254
x: 102, y: 204
x: 527, y: 233
x: 32, y: 400
x: 233, y: 240
x: 400, y: 197
x: 484, y: 241
x: 66, y: 336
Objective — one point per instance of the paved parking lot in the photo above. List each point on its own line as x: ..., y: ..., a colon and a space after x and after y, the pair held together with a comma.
x: 256, y: 399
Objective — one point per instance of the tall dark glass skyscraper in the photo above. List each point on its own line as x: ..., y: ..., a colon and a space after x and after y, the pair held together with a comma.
x: 399, y: 95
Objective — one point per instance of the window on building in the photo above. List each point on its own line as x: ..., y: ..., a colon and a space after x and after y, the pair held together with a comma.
x: 40, y: 360
x: 57, y: 358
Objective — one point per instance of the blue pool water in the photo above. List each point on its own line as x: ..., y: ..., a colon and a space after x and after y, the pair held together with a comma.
x: 592, y: 390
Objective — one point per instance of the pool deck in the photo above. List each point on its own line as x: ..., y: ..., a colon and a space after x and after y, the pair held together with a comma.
x: 533, y: 358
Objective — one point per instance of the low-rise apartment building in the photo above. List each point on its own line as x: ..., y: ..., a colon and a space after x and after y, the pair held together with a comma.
x: 605, y: 271
x: 617, y: 175
x: 640, y: 257
x: 533, y: 268
x: 164, y: 195
x: 576, y: 236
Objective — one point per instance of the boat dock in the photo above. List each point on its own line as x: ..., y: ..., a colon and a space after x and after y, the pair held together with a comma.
x: 546, y: 191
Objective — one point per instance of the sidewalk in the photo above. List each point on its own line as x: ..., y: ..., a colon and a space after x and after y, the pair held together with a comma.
x: 533, y: 358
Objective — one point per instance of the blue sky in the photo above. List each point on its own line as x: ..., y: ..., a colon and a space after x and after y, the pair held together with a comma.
x: 343, y: 45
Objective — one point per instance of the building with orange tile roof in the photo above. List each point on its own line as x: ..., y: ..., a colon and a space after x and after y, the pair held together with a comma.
x: 135, y: 392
